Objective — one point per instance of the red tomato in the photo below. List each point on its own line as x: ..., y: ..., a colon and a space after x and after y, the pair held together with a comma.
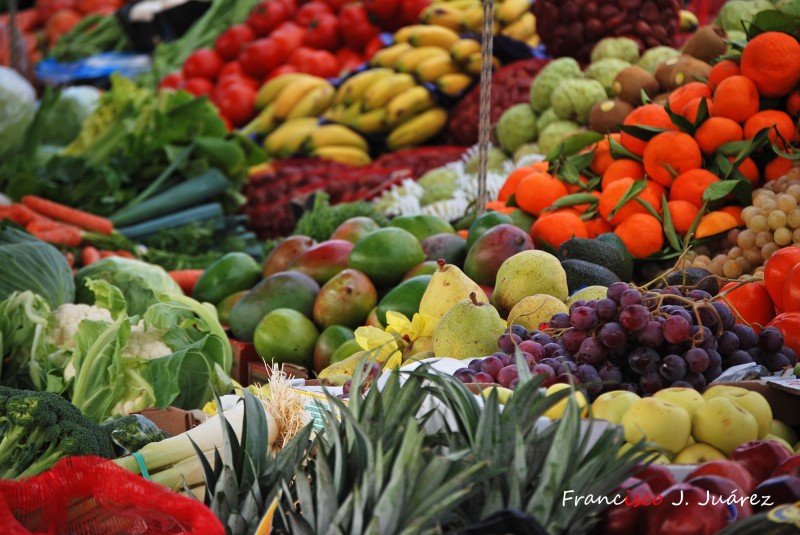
x: 237, y: 102
x: 289, y: 37
x: 202, y: 63
x: 359, y: 29
x: 232, y: 67
x: 791, y: 290
x: 305, y: 15
x: 61, y: 22
x: 260, y: 57
x: 788, y: 323
x: 349, y: 59
x: 775, y: 271
x: 317, y: 62
x: 266, y: 16
x: 749, y: 302
x: 383, y: 10
x: 95, y: 6
x: 375, y: 44
x: 323, y: 32
x: 230, y: 42
x: 198, y: 86
x: 173, y: 80
x: 291, y: 5
x: 411, y: 9
x: 236, y: 79
x: 46, y: 8
x: 283, y: 69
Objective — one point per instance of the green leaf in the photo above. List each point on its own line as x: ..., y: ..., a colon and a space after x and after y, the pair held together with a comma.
x: 649, y: 207
x: 788, y: 155
x: 695, y: 222
x: 669, y: 228
x: 635, y: 189
x: 645, y: 133
x: 108, y: 297
x: 702, y: 114
x: 772, y: 21
x: 569, y: 173
x: 719, y: 190
x: 581, y: 161
x: 573, y: 199
x: 618, y: 151
x: 680, y: 121
x: 573, y: 144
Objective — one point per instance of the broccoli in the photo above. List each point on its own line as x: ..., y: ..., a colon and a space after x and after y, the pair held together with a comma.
x: 39, y: 428
x: 131, y: 433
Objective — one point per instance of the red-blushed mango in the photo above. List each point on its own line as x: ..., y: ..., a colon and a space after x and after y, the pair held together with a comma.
x: 324, y: 260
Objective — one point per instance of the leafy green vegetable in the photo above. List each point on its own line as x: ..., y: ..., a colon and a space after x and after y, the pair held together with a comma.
x: 31, y: 264
x: 23, y: 320
x: 17, y: 108
x: 64, y: 122
x: 320, y: 222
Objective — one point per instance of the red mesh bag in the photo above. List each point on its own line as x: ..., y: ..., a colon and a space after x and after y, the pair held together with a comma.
x: 91, y: 496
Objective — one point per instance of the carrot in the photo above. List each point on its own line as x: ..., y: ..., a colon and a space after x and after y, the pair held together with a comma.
x: 43, y: 224
x: 82, y: 219
x: 186, y: 278
x: 89, y: 255
x: 125, y: 254
x: 68, y: 236
x: 70, y: 256
x: 18, y: 213
x: 105, y: 254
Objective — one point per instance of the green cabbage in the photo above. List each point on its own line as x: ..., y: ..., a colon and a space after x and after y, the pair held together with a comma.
x: 64, y: 122
x: 31, y: 264
x: 17, y: 108
x: 140, y: 282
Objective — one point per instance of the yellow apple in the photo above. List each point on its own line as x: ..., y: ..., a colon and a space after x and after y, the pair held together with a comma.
x: 698, y: 453
x: 688, y: 398
x: 665, y: 424
x: 661, y: 459
x: 612, y: 405
x: 556, y: 411
x: 780, y: 429
x: 724, y: 424
x: 780, y: 441
x: 749, y: 400
x: 503, y: 394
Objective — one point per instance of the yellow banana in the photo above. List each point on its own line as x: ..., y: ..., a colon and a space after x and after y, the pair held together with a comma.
x: 442, y: 15
x: 404, y: 34
x: 472, y: 19
x: 417, y: 129
x: 688, y: 21
x: 383, y: 90
x: 313, y: 103
x: 407, y: 104
x: 460, y: 4
x: 354, y: 87
x: 474, y: 62
x: 293, y: 93
x: 534, y: 40
x: 409, y: 60
x: 270, y: 90
x: 522, y: 28
x: 453, y: 84
x: 429, y: 35
x: 289, y: 137
x: 463, y: 48
x: 343, y: 113
x: 371, y: 122
x: 263, y: 123
x: 387, y: 57
x: 431, y: 69
x: 342, y: 154
x: 334, y: 135
x: 510, y: 10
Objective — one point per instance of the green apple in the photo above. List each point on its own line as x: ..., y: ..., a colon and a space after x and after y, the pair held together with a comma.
x: 780, y: 441
x: 749, y: 400
x: 688, y: 398
x: 724, y: 424
x: 780, y: 429
x: 698, y: 453
x: 660, y: 422
x: 612, y: 405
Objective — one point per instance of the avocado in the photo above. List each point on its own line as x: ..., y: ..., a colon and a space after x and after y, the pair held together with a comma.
x: 581, y: 274
x: 698, y: 278
x: 613, y: 239
x: 597, y: 252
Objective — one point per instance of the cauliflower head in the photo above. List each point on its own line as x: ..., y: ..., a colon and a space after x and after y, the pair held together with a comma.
x: 145, y: 342
x: 68, y: 317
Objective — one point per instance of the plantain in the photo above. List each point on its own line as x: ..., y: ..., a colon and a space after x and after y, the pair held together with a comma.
x: 313, y: 103
x: 417, y: 129
x: 462, y: 49
x: 387, y: 57
x: 289, y: 137
x: 410, y: 59
x: 407, y: 104
x: 382, y: 91
x: 432, y: 69
x: 511, y: 10
x: 351, y: 90
x: 270, y: 90
x: 333, y: 135
x: 454, y: 84
x: 294, y: 93
x: 342, y: 154
x: 263, y: 123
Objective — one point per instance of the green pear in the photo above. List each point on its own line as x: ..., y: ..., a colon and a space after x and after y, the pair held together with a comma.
x: 448, y: 286
x: 469, y: 329
x: 528, y: 273
x: 534, y: 310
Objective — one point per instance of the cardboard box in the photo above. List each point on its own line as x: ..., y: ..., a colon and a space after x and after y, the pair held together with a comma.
x: 783, y: 396
x: 173, y: 421
x: 244, y: 353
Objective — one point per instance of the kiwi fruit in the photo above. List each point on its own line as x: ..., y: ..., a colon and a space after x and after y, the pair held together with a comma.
x: 631, y: 81
x: 706, y: 44
x: 675, y: 72
x: 606, y: 116
x: 661, y: 98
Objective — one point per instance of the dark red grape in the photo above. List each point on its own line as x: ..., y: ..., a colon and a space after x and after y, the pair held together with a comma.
x: 699, y: 295
x: 576, y: 304
x: 562, y: 353
x: 676, y: 329
x: 643, y: 360
x: 583, y: 318
x: 372, y: 370
x: 530, y: 360
x: 507, y: 375
x: 790, y: 354
x: 547, y: 371
x: 682, y: 312
x: 613, y: 336
x: 671, y: 290
x: 535, y: 349
x: 703, y: 337
x: 550, y: 349
x: 507, y: 342
x: 634, y: 317
x: 681, y: 384
x: 737, y: 358
x: 757, y: 354
x: 346, y: 387
x: 519, y: 330
x: 465, y: 375
x: 712, y: 373
x: 559, y: 321
x: 708, y: 316
x: 572, y: 339
x: 615, y: 291
x: 611, y: 376
x: 727, y: 343
x: 725, y: 314
x: 630, y: 387
x: 553, y: 363
x: 492, y: 365
x: 775, y: 362
x: 652, y: 335
x: 568, y: 378
x: 592, y: 351
x: 484, y: 378
x: 505, y: 359
x: 696, y: 359
x: 770, y: 340
x: 672, y: 368
x: 475, y: 365
x: 630, y: 297
x: 714, y: 358
x: 652, y: 382
x: 747, y: 336
x: 697, y: 380
x: 606, y: 309
x: 541, y: 338
x: 567, y: 367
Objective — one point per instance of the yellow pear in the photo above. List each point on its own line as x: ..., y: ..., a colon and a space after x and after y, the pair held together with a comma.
x: 448, y: 286
x: 688, y: 398
x: 660, y: 422
x: 749, y: 400
x: 503, y: 394
x: 534, y: 310
x: 612, y: 405
x: 528, y: 273
x: 698, y: 453
x: 420, y: 345
x: 590, y: 293
x: 557, y: 411
x: 469, y: 329
x: 724, y: 424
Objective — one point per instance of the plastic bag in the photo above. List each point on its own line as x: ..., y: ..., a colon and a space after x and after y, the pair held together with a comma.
x: 131, y: 433
x: 17, y: 108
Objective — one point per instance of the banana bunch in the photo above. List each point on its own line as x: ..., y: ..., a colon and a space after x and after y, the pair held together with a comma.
x: 512, y: 18
x: 329, y: 141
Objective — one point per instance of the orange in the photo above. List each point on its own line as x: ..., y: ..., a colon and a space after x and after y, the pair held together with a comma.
x: 602, y: 154
x: 687, y: 92
x: 538, y: 191
x: 612, y: 195
x: 648, y: 115
x: 772, y: 119
x: 714, y: 223
x: 724, y: 69
x: 772, y: 61
x: 736, y: 98
x: 642, y: 235
x: 682, y: 214
x: 691, y: 185
x: 622, y: 169
x: 748, y: 168
x: 693, y: 106
x: 513, y: 180
x: 777, y: 168
x: 717, y: 131
x: 596, y: 226
x: 671, y: 152
x: 658, y: 190
x: 793, y: 103
x: 735, y: 211
x: 557, y: 228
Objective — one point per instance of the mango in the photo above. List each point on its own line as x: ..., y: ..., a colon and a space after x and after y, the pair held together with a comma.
x: 324, y: 260
x: 422, y: 225
x: 404, y: 298
x: 491, y: 249
x: 427, y: 267
x: 386, y: 255
x: 451, y: 248
x: 354, y: 229
x: 484, y: 223
x: 286, y: 336
x: 283, y: 253
x: 345, y: 299
x: 328, y: 342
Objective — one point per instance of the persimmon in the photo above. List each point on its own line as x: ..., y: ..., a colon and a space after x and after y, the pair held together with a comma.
x: 793, y: 103
x: 715, y: 132
x: 749, y: 302
x: 788, y: 323
x: 653, y: 115
x: 791, y: 290
x: 691, y: 185
x: 671, y: 152
x: 642, y: 234
x: 736, y: 98
x: 772, y: 61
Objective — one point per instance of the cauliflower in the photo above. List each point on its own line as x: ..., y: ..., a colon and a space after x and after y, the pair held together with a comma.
x: 67, y: 319
x: 146, y: 343
x: 549, y: 77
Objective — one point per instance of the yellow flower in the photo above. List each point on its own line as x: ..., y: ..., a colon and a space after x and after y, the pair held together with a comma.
x: 381, y: 344
x: 420, y: 324
x: 210, y: 408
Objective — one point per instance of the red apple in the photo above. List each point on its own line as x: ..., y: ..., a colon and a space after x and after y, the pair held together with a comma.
x: 728, y: 491
x: 789, y: 467
x: 776, y: 491
x: 681, y: 513
x: 658, y: 476
x: 730, y: 469
x: 760, y: 457
x: 623, y: 519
